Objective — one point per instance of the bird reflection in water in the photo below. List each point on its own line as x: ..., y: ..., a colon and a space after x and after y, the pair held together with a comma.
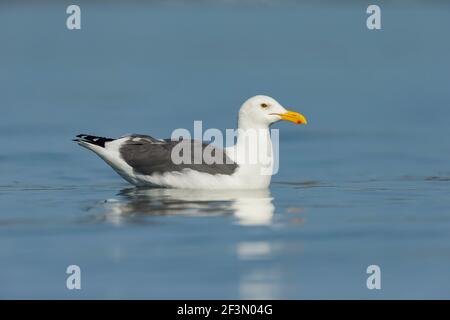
x: 249, y: 207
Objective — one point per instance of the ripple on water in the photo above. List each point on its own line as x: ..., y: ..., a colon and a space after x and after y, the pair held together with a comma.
x: 437, y: 178
x: 302, y: 184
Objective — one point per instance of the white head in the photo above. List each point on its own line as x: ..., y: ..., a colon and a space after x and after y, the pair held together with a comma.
x: 262, y: 111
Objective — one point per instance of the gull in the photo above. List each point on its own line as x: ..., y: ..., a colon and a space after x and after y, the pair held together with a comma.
x: 146, y: 161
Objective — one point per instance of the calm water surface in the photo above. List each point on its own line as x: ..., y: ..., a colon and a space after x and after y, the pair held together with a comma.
x: 366, y: 182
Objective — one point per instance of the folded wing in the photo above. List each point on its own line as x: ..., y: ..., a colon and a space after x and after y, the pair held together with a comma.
x: 147, y: 156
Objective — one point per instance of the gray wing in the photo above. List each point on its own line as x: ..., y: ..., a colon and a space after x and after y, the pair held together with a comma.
x: 147, y: 155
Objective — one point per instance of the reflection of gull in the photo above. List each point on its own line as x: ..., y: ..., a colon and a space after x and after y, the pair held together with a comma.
x: 261, y: 283
x: 250, y: 207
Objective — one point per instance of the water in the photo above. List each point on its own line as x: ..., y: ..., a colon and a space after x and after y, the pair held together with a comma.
x: 366, y: 182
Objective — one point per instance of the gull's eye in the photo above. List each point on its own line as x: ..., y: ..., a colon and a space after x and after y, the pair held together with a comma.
x: 264, y: 105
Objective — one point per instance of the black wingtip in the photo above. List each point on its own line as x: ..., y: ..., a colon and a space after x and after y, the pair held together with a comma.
x: 95, y: 140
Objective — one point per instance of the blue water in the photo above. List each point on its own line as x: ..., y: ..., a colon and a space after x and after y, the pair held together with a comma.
x: 366, y: 182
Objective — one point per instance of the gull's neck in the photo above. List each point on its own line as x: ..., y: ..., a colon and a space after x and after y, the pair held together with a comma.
x: 251, y: 132
x: 253, y: 148
x: 245, y: 123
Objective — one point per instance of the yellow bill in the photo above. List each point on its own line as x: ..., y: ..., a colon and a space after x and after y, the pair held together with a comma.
x: 294, y: 117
